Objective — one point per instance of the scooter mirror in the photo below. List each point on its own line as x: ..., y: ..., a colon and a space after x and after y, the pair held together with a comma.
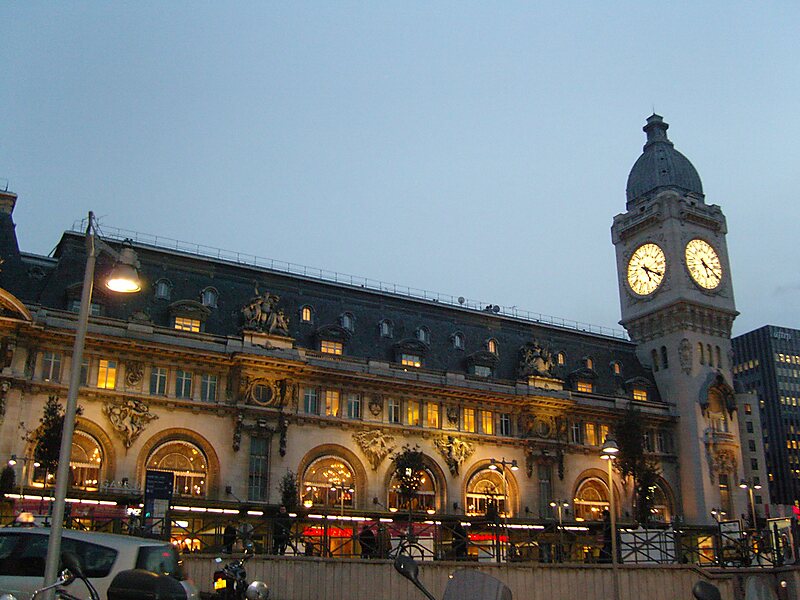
x: 73, y: 564
x: 258, y: 590
x: 703, y: 590
x: 408, y: 568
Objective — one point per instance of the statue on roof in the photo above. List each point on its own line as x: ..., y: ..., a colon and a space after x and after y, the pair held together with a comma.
x: 261, y: 313
x: 535, y: 360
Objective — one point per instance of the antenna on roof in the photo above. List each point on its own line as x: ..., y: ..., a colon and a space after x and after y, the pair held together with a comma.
x: 495, y: 309
x: 461, y: 300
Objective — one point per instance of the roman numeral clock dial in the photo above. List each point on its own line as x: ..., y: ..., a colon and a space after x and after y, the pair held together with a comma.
x: 646, y: 269
x: 703, y: 264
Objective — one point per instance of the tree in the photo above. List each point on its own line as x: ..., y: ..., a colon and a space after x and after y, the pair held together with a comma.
x: 409, y: 469
x: 288, y: 490
x: 633, y: 461
x: 7, y: 480
x: 46, y: 439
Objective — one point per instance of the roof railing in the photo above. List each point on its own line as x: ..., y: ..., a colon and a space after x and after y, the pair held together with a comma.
x: 251, y: 260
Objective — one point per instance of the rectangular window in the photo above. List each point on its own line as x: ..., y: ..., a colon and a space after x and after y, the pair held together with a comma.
x: 640, y: 395
x: 51, y: 366
x: 183, y: 384
x: 410, y: 360
x: 331, y: 347
x: 353, y: 406
x: 311, y: 401
x: 107, y: 374
x: 748, y: 410
x: 432, y: 415
x: 602, y: 434
x: 468, y: 420
x: 545, y: 491
x: 208, y: 387
x: 85, y: 371
x: 258, y: 473
x: 482, y: 371
x: 585, y: 386
x: 648, y: 441
x: 158, y: 381
x: 505, y: 424
x: 590, y: 434
x: 94, y: 308
x: 575, y: 433
x: 394, y: 410
x: 749, y: 425
x: 331, y: 403
x: 186, y: 324
x: 487, y: 422
x: 751, y: 444
x: 412, y: 413
x: 754, y: 464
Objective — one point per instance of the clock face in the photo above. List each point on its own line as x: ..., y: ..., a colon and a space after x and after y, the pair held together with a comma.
x: 703, y: 264
x: 646, y: 269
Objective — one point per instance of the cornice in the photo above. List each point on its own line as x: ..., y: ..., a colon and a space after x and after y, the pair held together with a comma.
x: 681, y: 316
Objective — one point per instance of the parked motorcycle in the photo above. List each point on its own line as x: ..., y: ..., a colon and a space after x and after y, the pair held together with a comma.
x: 230, y: 581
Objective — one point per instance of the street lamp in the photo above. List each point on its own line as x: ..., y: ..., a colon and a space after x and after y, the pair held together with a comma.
x: 500, y: 465
x: 24, y: 460
x: 609, y: 453
x: 560, y: 504
x: 748, y: 485
x: 123, y: 278
x: 718, y: 514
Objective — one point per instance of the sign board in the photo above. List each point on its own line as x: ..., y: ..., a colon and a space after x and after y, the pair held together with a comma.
x: 158, y: 487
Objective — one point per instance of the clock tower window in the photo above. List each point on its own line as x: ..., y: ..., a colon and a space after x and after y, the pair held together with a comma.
x: 654, y: 358
x: 700, y: 353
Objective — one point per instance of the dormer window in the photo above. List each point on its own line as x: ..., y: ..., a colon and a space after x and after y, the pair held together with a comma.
x: 347, y: 321
x: 163, y: 289
x: 640, y: 394
x: 386, y: 328
x: 588, y: 362
x: 410, y: 360
x: 306, y: 314
x: 208, y: 297
x: 491, y: 345
x: 424, y: 335
x: 458, y: 340
x: 561, y: 359
x: 187, y: 324
x: 616, y: 368
x: 331, y: 347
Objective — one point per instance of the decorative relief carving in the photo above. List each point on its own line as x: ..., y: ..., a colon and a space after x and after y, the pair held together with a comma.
x: 129, y: 418
x: 721, y: 461
x: 4, y: 387
x: 134, y: 373
x: 267, y: 392
x: 685, y: 355
x: 539, y: 426
x: 262, y: 314
x: 454, y: 451
x: 375, y: 444
x: 30, y: 362
x: 376, y: 405
x: 452, y: 415
x: 535, y: 360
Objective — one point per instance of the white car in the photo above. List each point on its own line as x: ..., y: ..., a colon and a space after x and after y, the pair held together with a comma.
x: 102, y: 555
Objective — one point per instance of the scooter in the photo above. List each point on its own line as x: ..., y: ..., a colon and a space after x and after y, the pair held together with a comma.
x: 230, y: 581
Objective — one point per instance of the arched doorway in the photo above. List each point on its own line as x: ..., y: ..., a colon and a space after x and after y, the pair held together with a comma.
x: 328, y: 482
x: 187, y: 462
x: 591, y: 499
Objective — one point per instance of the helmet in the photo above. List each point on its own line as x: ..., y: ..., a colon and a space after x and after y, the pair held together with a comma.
x: 258, y: 590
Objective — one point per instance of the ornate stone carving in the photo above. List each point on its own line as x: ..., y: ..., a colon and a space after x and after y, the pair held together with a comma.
x: 262, y: 314
x: 452, y: 415
x: 539, y: 426
x: 721, y: 461
x: 129, y: 418
x: 454, y: 451
x: 6, y: 353
x: 685, y: 355
x: 266, y: 392
x: 134, y: 373
x: 376, y: 405
x: 4, y: 387
x: 375, y: 444
x: 535, y: 360
x: 30, y: 362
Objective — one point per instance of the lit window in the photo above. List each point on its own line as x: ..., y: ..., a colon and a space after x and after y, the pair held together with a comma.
x: 158, y: 381
x: 331, y: 403
x: 748, y: 410
x: 468, y: 423
x: 394, y: 410
x: 487, y: 422
x: 505, y: 424
x: 589, y: 363
x: 640, y: 395
x: 561, y: 359
x: 306, y: 315
x: 412, y: 412
x: 423, y: 335
x: 353, y: 406
x: 107, y: 374
x: 491, y: 346
x: 458, y: 341
x: 311, y: 401
x: 187, y: 462
x: 163, y: 289
x: 187, y: 324
x: 616, y: 368
x: 209, y: 297
x: 183, y: 384
x: 585, y: 386
x: 590, y: 434
x: 386, y: 329
x: 482, y: 371
x: 331, y: 347
x: 208, y: 387
x: 410, y: 360
x: 433, y: 415
x: 602, y: 432
x: 51, y: 366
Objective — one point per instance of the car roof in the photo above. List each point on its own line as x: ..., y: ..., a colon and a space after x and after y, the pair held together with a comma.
x: 113, y: 539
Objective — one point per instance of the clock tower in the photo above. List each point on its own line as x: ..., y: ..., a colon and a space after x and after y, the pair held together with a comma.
x: 676, y: 298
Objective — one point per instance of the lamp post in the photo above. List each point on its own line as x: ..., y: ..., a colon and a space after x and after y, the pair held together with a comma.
x: 749, y: 485
x: 24, y: 460
x: 123, y: 278
x: 500, y: 465
x: 608, y: 453
x: 560, y: 504
x: 718, y: 514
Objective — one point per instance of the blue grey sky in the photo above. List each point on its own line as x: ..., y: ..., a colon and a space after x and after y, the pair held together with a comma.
x: 475, y: 149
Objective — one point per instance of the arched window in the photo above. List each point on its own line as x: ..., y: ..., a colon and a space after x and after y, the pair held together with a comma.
x: 588, y: 362
x: 719, y: 357
x: 85, y: 464
x: 186, y: 462
x: 485, y: 490
x: 424, y: 335
x: 163, y: 289
x: 700, y: 353
x: 347, y: 321
x: 306, y: 314
x: 717, y: 415
x: 591, y: 500
x: 208, y: 297
x: 710, y: 356
x: 664, y: 357
x: 424, y: 498
x: 458, y: 340
x: 491, y: 345
x: 654, y: 359
x: 328, y: 482
x: 561, y: 359
x: 662, y: 509
x: 386, y: 328
x: 616, y: 368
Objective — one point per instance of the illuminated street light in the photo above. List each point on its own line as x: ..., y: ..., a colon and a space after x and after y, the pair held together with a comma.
x: 748, y: 485
x: 124, y: 277
x: 609, y: 453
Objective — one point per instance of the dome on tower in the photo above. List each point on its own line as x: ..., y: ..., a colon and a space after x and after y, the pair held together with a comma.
x: 660, y: 165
